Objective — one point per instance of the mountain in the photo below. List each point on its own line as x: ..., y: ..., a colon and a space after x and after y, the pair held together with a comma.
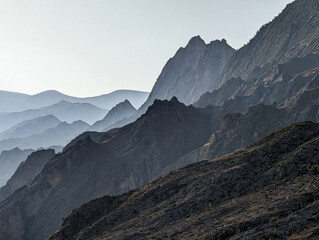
x: 191, y: 71
x: 267, y: 190
x: 187, y: 75
x: 114, y: 162
x: 30, y: 127
x: 11, y: 100
x: 17, y: 102
x: 292, y: 34
x: 26, y: 172
x: 9, y: 161
x: 121, y: 111
x: 56, y: 136
x: 65, y: 111
x: 266, y: 73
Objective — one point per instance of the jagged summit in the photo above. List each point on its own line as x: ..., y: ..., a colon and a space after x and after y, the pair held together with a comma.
x: 195, y: 42
x: 191, y: 72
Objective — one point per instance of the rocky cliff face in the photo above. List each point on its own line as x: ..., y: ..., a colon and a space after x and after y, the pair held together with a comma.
x: 120, y: 112
x: 116, y: 162
x: 191, y: 71
x: 293, y: 34
x: 280, y: 62
x: 26, y: 172
x: 290, y: 81
x: 268, y: 190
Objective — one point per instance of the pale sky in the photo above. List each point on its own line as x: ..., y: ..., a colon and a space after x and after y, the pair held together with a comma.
x: 91, y: 47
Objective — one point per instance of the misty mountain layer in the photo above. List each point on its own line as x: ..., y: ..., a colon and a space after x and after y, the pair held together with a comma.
x: 121, y: 111
x: 9, y: 161
x: 56, y: 136
x: 17, y: 102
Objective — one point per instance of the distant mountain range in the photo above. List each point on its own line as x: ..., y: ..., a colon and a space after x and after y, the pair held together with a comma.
x: 64, y: 111
x: 17, y: 102
x: 30, y: 127
x: 59, y: 135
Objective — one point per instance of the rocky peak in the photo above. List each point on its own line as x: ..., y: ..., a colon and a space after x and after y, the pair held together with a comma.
x: 165, y: 106
x: 191, y: 72
x: 195, y: 43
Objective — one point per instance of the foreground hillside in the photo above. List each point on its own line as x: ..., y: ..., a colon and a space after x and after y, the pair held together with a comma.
x: 268, y: 190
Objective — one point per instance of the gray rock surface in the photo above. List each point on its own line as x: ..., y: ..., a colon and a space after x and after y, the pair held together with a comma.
x: 191, y: 71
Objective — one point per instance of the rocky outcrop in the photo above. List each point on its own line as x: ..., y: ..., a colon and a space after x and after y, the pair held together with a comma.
x: 118, y: 113
x: 26, y: 172
x: 268, y: 190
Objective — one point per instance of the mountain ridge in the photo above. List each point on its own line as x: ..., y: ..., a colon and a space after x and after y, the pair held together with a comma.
x: 261, y: 191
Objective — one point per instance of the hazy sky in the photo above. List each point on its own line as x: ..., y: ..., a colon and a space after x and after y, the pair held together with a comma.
x: 91, y: 47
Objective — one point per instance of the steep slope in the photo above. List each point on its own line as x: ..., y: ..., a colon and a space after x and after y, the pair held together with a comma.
x: 191, y: 71
x: 117, y: 161
x: 26, y: 172
x: 279, y: 63
x: 65, y: 111
x: 292, y: 80
x: 121, y: 111
x: 59, y: 136
x: 293, y: 34
x: 30, y: 127
x: 9, y: 161
x: 50, y: 97
x: 268, y: 190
